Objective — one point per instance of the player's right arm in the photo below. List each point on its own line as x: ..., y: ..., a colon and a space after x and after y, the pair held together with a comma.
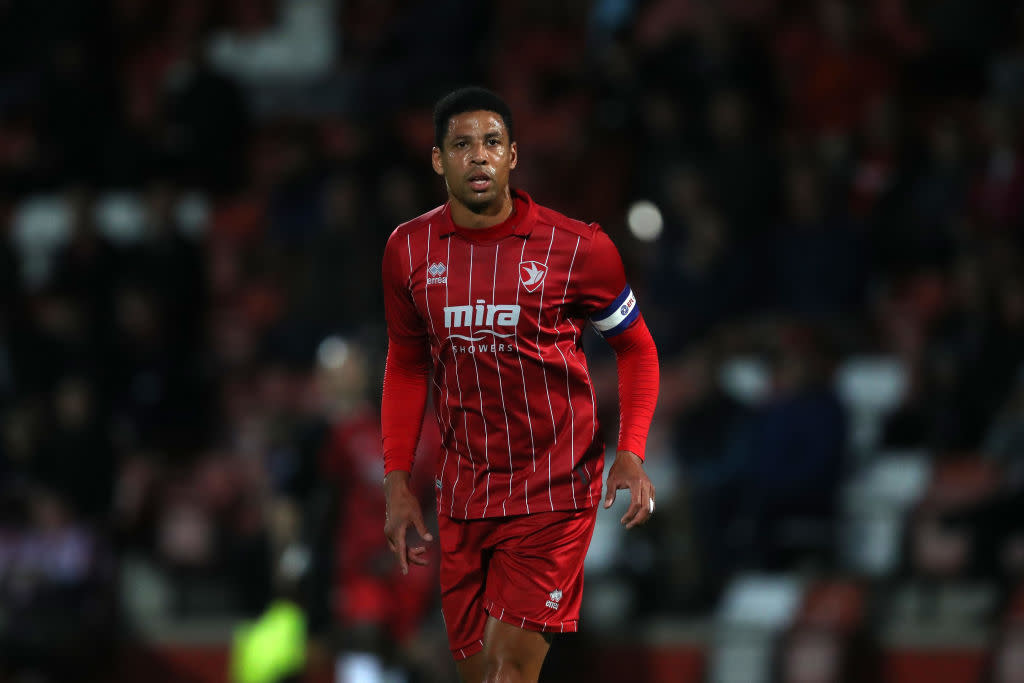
x: 406, y: 381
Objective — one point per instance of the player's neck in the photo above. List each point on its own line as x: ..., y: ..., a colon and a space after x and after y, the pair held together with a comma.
x: 464, y: 217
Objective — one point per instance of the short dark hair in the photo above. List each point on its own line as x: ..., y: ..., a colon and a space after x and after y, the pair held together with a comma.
x: 472, y: 98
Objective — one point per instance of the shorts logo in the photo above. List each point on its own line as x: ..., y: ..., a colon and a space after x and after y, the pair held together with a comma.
x: 436, y: 274
x: 531, y: 274
x: 554, y: 596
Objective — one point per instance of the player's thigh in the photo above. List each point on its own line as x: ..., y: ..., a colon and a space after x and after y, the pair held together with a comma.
x: 512, y: 653
x: 472, y: 669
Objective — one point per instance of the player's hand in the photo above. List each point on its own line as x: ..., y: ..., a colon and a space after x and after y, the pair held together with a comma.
x: 627, y: 472
x: 402, y: 511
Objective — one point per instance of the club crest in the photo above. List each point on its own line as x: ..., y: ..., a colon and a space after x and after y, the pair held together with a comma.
x: 531, y: 274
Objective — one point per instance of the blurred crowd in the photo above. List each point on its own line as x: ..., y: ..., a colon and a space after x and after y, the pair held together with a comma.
x: 189, y: 382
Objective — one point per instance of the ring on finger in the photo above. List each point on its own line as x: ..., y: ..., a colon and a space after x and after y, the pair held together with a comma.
x: 650, y: 506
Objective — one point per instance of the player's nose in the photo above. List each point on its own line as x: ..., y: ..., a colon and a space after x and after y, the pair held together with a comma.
x: 478, y: 154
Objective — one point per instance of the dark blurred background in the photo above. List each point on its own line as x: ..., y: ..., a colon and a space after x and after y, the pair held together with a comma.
x: 820, y: 204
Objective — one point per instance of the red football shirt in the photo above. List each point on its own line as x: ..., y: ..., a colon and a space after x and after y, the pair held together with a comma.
x: 503, y: 310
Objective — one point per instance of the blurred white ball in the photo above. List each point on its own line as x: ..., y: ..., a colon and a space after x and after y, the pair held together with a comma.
x: 332, y: 353
x: 644, y: 220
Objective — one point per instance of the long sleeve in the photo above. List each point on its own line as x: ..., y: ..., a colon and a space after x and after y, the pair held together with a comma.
x: 407, y: 369
x: 637, y: 360
x: 406, y: 381
x: 612, y: 308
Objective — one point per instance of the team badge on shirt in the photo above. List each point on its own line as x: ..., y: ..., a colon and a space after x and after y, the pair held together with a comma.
x: 531, y: 274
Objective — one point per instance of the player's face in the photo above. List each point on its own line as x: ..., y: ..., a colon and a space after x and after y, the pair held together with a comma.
x: 475, y: 159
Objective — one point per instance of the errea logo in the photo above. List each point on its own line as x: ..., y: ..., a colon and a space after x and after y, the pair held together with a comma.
x: 553, y: 598
x: 436, y: 274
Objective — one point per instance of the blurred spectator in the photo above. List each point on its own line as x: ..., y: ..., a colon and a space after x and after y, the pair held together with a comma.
x: 75, y: 457
x: 705, y: 439
x: 741, y: 173
x: 829, y: 641
x: 339, y: 259
x: 976, y: 351
x: 960, y: 36
x: 294, y: 209
x: 1004, y: 441
x: 376, y: 609
x: 703, y: 278
x: 937, y: 202
x: 147, y: 401
x: 830, y: 73
x: 78, y: 89
x: 1006, y: 68
x: 818, y: 255
x: 1008, y: 664
x: 666, y: 135
x: 875, y: 169
x: 696, y: 49
x: 56, y: 586
x: 56, y: 340
x: 87, y: 266
x: 997, y: 196
x: 207, y: 123
x: 994, y: 524
x: 792, y: 453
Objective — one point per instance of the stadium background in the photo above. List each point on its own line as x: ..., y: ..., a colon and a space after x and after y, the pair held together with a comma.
x: 821, y: 206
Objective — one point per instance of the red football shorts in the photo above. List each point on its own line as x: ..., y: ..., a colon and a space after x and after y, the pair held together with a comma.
x: 525, y: 570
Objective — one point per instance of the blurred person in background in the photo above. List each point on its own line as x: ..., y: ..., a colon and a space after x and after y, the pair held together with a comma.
x: 705, y: 439
x: 159, y: 306
x: 707, y: 270
x: 790, y: 454
x: 88, y: 266
x: 336, y: 259
x: 741, y: 170
x: 376, y: 611
x: 75, y: 456
x: 206, y: 122
x: 995, y: 525
x: 974, y: 349
x: 57, y: 591
x: 513, y: 536
x: 818, y: 255
x: 1007, y: 662
x: 935, y: 205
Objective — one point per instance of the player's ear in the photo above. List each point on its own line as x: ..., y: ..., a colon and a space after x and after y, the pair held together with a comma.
x: 435, y: 160
x: 513, y: 155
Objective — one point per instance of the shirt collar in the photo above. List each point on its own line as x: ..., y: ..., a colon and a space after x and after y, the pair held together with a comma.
x: 524, y: 219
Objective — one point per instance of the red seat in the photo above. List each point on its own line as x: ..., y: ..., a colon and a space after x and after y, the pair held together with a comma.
x: 837, y: 605
x: 961, y: 481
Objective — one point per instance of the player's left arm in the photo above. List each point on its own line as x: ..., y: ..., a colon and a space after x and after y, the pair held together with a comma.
x: 637, y: 361
x: 614, y: 312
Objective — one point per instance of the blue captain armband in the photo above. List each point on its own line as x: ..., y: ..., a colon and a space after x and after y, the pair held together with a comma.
x: 619, y: 315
